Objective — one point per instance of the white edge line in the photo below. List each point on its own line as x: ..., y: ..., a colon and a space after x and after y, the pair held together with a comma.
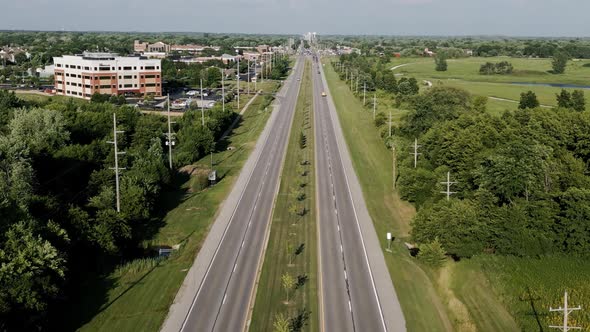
x: 353, y: 207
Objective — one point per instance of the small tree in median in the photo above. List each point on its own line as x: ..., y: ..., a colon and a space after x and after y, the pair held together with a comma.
x: 288, y: 283
x: 281, y: 323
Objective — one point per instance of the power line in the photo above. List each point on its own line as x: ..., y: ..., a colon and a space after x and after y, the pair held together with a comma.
x: 169, y: 136
x: 566, y: 311
x: 117, y: 153
x: 448, y: 183
x: 415, y: 153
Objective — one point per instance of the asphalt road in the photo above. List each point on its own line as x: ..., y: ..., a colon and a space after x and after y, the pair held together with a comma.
x: 352, y: 298
x: 222, y: 300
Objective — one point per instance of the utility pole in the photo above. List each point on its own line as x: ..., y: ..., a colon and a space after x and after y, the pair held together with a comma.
x: 117, y: 153
x: 415, y: 153
x: 351, y: 80
x: 248, y: 83
x: 357, y: 82
x: 169, y: 136
x: 566, y: 311
x: 374, y: 105
x: 238, y: 56
x: 255, y: 75
x: 389, y: 123
x: 202, y: 105
x: 448, y: 183
x: 222, y: 90
x: 394, y: 161
x: 364, y: 93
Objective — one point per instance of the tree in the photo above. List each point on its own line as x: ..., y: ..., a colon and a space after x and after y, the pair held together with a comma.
x: 440, y: 62
x: 40, y: 130
x: 564, y: 99
x: 288, y: 282
x: 432, y: 253
x: 487, y: 68
x: 578, y: 101
x: 281, y: 323
x: 31, y: 270
x: 559, y: 62
x: 480, y: 104
x: 528, y: 100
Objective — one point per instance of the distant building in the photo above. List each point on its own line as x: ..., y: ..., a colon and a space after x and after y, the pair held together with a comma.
x: 140, y: 47
x: 83, y: 75
x: 428, y: 52
x: 45, y: 72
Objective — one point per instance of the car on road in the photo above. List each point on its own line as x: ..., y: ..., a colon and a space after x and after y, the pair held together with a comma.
x: 323, y: 93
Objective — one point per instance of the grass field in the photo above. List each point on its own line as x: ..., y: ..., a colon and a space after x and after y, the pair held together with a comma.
x: 137, y: 295
x: 291, y: 232
x: 454, y: 298
x: 464, y: 73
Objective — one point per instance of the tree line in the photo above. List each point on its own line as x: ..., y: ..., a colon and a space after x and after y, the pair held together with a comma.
x: 521, y: 179
x: 58, y: 220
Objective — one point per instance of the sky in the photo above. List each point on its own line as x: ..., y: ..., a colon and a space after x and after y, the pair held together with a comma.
x: 359, y: 17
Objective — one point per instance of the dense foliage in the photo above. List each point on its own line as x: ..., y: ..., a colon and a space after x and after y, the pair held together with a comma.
x: 500, y: 68
x: 522, y: 180
x: 57, y: 193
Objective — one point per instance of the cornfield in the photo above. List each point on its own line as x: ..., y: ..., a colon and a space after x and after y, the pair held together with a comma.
x: 529, y: 287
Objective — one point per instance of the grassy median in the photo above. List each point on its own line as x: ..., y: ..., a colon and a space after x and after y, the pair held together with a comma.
x: 292, y: 252
x: 137, y: 295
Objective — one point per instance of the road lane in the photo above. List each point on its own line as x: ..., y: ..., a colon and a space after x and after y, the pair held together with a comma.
x: 222, y: 299
x: 339, y: 225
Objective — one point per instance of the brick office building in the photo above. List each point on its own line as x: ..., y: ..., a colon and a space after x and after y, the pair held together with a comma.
x: 83, y: 75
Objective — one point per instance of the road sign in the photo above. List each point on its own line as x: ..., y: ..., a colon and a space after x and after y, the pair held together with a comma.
x: 389, y: 236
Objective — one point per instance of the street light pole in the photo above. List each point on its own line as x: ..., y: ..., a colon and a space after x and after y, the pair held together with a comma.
x: 256, y: 74
x: 248, y: 83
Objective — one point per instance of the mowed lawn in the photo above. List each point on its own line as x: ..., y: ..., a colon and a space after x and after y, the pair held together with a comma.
x: 137, y: 296
x: 456, y: 298
x: 464, y: 74
x: 292, y: 246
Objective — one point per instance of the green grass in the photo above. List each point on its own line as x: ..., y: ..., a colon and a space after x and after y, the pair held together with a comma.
x: 464, y: 73
x: 290, y: 229
x: 528, y: 287
x: 422, y: 307
x: 525, y: 70
x: 137, y: 296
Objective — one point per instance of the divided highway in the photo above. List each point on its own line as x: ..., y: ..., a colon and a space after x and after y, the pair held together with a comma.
x: 217, y: 293
x: 356, y: 289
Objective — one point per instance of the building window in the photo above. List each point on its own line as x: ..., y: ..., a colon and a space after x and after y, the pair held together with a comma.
x: 58, y: 65
x: 94, y: 68
x: 86, y: 68
x: 120, y: 86
x: 134, y: 76
x: 127, y: 68
x: 119, y: 68
x: 79, y: 76
x: 127, y: 77
x: 79, y: 67
x: 128, y: 85
x: 141, y: 67
x: 134, y: 68
x: 150, y: 68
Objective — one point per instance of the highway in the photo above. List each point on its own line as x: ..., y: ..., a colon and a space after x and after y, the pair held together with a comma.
x: 353, y: 297
x: 218, y: 295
